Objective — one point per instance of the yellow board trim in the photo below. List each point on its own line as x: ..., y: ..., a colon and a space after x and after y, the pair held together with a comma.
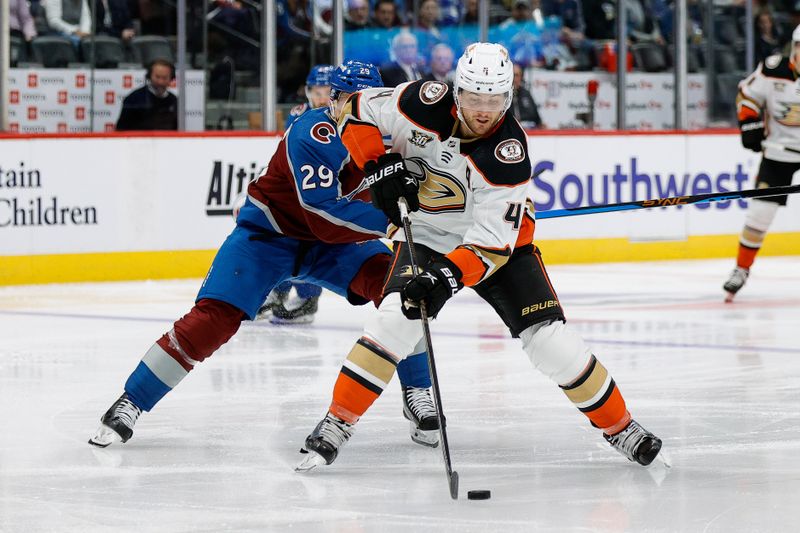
x: 127, y: 266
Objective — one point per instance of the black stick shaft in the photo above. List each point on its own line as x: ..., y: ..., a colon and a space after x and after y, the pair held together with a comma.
x: 673, y: 200
x: 452, y: 476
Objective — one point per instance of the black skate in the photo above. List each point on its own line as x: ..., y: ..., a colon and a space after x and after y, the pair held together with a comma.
x: 117, y: 424
x: 322, y: 446
x: 735, y: 282
x: 418, y: 408
x: 274, y: 299
x: 295, y: 311
x: 635, y: 443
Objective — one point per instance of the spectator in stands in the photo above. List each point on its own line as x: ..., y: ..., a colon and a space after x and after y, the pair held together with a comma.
x: 441, y: 64
x: 599, y: 17
x: 768, y: 40
x: 157, y: 17
x: 405, y: 64
x: 385, y: 15
x: 642, y: 26
x: 450, y: 12
x: 521, y: 12
x: 151, y: 107
x: 570, y: 13
x: 357, y: 16
x: 112, y: 17
x: 523, y: 106
x: 69, y: 18
x: 470, y: 12
x: 428, y: 17
x: 20, y: 22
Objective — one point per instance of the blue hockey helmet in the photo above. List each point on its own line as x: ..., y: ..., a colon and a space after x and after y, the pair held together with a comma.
x: 320, y: 75
x: 352, y: 76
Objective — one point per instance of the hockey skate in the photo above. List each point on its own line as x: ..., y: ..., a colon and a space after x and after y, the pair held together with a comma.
x: 322, y: 445
x: 117, y: 424
x: 735, y: 282
x: 274, y: 299
x: 295, y: 310
x: 418, y: 408
x: 635, y: 443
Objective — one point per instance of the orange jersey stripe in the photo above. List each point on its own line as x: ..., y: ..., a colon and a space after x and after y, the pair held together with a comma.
x: 363, y: 141
x: 471, y: 266
x: 525, y: 236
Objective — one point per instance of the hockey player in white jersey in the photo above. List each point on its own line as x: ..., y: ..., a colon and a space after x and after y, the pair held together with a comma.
x: 473, y: 226
x: 768, y: 107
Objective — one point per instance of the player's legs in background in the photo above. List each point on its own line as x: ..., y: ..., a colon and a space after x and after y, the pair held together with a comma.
x: 523, y: 296
x: 759, y: 217
x: 244, y: 270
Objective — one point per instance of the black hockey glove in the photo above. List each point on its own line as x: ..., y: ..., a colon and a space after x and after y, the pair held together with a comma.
x: 752, y: 134
x: 434, y: 285
x: 389, y: 180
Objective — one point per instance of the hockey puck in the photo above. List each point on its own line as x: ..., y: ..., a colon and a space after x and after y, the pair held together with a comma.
x: 479, y: 494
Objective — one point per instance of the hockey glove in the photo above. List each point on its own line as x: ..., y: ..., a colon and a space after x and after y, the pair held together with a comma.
x: 389, y: 180
x: 434, y: 286
x: 752, y: 134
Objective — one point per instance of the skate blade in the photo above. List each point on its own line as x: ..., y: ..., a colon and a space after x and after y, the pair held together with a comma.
x: 104, y: 436
x: 311, y: 461
x: 425, y: 438
x: 291, y: 321
x: 729, y: 297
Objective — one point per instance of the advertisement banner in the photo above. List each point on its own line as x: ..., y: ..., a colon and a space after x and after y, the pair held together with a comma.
x: 60, y: 100
x: 561, y: 96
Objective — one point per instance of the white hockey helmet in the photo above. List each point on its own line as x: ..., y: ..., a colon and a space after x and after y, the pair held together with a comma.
x: 485, y: 69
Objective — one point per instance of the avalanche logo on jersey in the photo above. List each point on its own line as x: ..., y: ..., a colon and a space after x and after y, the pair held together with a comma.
x: 419, y: 139
x: 787, y: 114
x: 509, y: 151
x: 323, y: 132
x: 432, y: 91
x: 439, y: 192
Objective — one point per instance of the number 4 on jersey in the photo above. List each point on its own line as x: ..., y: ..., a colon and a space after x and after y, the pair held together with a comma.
x: 514, y: 214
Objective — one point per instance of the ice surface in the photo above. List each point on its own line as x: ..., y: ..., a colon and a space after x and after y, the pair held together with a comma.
x: 719, y: 383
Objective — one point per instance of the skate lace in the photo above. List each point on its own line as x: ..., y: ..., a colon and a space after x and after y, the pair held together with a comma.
x: 127, y: 412
x: 420, y: 402
x: 628, y: 439
x: 335, y: 431
x: 738, y: 276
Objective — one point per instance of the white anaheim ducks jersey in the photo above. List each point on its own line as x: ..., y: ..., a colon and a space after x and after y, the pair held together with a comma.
x: 473, y: 193
x: 774, y: 89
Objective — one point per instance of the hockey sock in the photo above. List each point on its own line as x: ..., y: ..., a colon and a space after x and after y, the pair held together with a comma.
x: 413, y: 371
x: 193, y: 338
x: 596, y: 395
x: 759, y: 217
x: 364, y: 375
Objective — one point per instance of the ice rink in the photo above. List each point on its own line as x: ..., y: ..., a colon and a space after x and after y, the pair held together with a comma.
x: 719, y: 383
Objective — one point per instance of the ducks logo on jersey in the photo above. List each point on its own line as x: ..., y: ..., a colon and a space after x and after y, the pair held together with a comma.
x: 787, y: 113
x: 438, y: 191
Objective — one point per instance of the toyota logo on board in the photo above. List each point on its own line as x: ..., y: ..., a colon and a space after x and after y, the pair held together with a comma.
x: 33, y: 81
x: 32, y: 113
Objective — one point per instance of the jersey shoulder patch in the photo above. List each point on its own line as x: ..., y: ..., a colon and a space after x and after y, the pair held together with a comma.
x: 314, y: 135
x: 777, y: 66
x: 502, y: 158
x: 429, y: 105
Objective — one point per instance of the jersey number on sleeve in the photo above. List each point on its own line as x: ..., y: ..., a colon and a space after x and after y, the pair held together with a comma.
x: 321, y: 176
x: 514, y: 215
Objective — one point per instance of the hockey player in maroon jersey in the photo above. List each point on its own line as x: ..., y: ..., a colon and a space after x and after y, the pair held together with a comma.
x: 768, y: 105
x: 304, y: 219
x: 473, y: 227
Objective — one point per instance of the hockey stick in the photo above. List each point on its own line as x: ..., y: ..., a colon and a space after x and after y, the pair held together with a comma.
x: 452, y: 475
x: 673, y: 200
x: 776, y: 146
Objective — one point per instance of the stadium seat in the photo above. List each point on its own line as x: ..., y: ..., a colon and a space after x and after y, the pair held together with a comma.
x: 54, y: 51
x: 18, y: 53
x: 109, y: 51
x: 150, y: 47
x: 649, y: 57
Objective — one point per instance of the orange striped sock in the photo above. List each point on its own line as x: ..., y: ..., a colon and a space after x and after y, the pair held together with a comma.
x: 596, y: 395
x: 364, y: 375
x: 746, y: 256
